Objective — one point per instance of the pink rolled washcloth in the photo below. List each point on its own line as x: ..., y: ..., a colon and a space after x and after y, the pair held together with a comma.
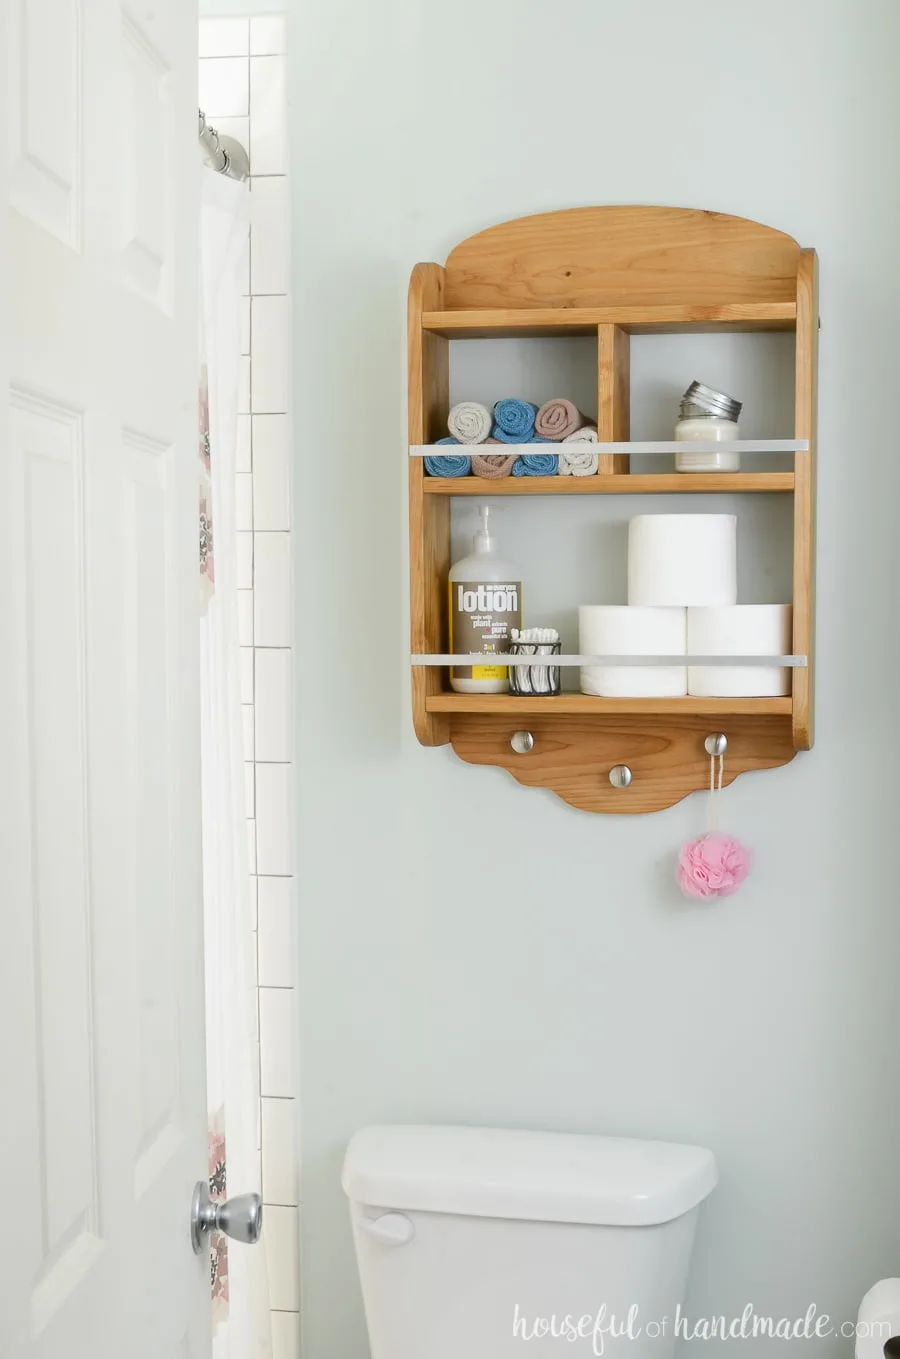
x: 493, y: 465
x: 558, y: 419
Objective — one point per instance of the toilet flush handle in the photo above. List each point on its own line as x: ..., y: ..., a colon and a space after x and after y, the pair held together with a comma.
x: 394, y: 1229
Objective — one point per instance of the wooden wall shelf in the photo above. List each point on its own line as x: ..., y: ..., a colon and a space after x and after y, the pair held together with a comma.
x: 640, y: 483
x: 608, y: 272
x: 545, y: 322
x: 585, y: 705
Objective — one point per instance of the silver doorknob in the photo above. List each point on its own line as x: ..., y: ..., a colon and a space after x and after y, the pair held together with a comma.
x: 240, y: 1218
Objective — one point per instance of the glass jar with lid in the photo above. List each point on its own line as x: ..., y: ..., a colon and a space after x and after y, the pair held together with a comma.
x: 708, y: 416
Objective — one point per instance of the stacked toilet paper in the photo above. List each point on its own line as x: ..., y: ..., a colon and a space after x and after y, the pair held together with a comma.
x: 623, y: 630
x: 682, y: 600
x: 680, y: 559
x: 739, y: 630
x: 878, y: 1323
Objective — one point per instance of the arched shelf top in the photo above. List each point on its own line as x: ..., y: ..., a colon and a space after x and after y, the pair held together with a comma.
x: 616, y: 256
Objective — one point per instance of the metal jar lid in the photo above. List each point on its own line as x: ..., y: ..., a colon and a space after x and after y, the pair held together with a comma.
x: 702, y: 402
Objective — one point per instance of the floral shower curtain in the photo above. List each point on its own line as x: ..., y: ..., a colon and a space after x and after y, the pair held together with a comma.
x: 237, y: 1273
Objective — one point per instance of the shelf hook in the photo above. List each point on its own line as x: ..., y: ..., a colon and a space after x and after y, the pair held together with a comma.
x: 716, y: 743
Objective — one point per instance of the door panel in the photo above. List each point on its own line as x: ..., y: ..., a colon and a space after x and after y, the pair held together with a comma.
x: 101, y: 993
x: 44, y: 106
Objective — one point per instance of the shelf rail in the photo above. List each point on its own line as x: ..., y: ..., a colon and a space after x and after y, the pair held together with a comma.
x: 503, y: 658
x: 638, y: 449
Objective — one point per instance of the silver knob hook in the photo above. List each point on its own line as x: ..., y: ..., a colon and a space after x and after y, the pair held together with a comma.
x: 716, y: 743
x: 240, y: 1218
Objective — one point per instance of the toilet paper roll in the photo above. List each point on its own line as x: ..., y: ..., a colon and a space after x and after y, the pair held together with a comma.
x: 741, y: 630
x: 619, y: 630
x: 879, y: 1319
x: 681, y: 559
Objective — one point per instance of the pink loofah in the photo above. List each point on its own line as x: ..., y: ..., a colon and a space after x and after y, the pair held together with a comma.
x: 713, y: 866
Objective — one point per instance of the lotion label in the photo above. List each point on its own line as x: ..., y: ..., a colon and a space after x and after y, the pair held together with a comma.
x: 481, y: 615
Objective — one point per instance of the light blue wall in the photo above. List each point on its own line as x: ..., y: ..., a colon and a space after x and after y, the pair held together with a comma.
x: 226, y: 8
x: 470, y: 950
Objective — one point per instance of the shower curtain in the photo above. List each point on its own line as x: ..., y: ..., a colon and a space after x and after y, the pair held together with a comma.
x: 238, y: 1281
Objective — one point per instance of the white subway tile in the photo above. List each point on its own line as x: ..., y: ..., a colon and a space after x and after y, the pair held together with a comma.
x: 246, y: 672
x: 251, y: 846
x: 225, y: 38
x: 276, y: 1044
x: 280, y: 1152
x: 249, y: 788
x: 244, y: 459
x: 276, y: 933
x: 248, y: 734
x: 269, y: 235
x: 243, y: 502
x: 274, y: 705
x: 245, y: 617
x: 244, y: 385
x: 274, y: 801
x: 254, y: 893
x: 272, y: 588
x: 268, y: 35
x: 272, y: 471
x: 282, y: 1239
x: 268, y: 115
x: 244, y: 558
x: 245, y: 325
x: 285, y: 1335
x: 243, y: 265
x: 270, y: 355
x: 254, y: 971
x: 225, y: 87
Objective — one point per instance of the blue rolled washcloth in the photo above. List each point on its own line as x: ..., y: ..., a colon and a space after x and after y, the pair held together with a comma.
x: 448, y: 464
x: 514, y: 421
x: 537, y: 465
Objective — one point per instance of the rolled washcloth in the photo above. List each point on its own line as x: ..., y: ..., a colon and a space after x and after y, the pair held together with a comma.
x: 514, y: 421
x: 448, y: 464
x: 537, y: 465
x: 579, y: 462
x: 557, y: 419
x: 493, y: 465
x: 469, y: 422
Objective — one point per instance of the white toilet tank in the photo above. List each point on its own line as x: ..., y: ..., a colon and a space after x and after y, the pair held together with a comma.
x: 477, y: 1243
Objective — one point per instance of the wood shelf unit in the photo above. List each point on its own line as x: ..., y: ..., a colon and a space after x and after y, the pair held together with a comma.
x: 610, y: 273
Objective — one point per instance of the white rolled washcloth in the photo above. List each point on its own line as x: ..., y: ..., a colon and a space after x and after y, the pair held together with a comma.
x: 579, y: 462
x: 470, y: 422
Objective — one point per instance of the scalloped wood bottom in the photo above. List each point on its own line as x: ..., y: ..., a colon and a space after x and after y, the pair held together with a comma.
x: 572, y: 755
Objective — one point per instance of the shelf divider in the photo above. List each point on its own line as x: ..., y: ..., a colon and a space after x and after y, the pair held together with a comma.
x: 613, y: 399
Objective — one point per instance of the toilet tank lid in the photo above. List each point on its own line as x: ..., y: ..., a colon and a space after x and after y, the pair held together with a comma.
x: 537, y: 1176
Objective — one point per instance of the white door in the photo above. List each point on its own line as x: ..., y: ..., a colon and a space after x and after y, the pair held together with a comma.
x: 101, y: 986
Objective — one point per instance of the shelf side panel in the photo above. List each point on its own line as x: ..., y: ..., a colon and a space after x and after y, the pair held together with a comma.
x: 805, y: 406
x: 429, y: 518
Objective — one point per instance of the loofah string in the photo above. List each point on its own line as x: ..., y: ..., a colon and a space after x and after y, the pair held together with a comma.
x: 713, y: 804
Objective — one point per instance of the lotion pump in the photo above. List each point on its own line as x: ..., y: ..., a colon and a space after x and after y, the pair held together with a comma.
x: 485, y: 604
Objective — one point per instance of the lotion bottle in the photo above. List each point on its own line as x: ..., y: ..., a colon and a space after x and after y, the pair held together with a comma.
x: 485, y: 604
